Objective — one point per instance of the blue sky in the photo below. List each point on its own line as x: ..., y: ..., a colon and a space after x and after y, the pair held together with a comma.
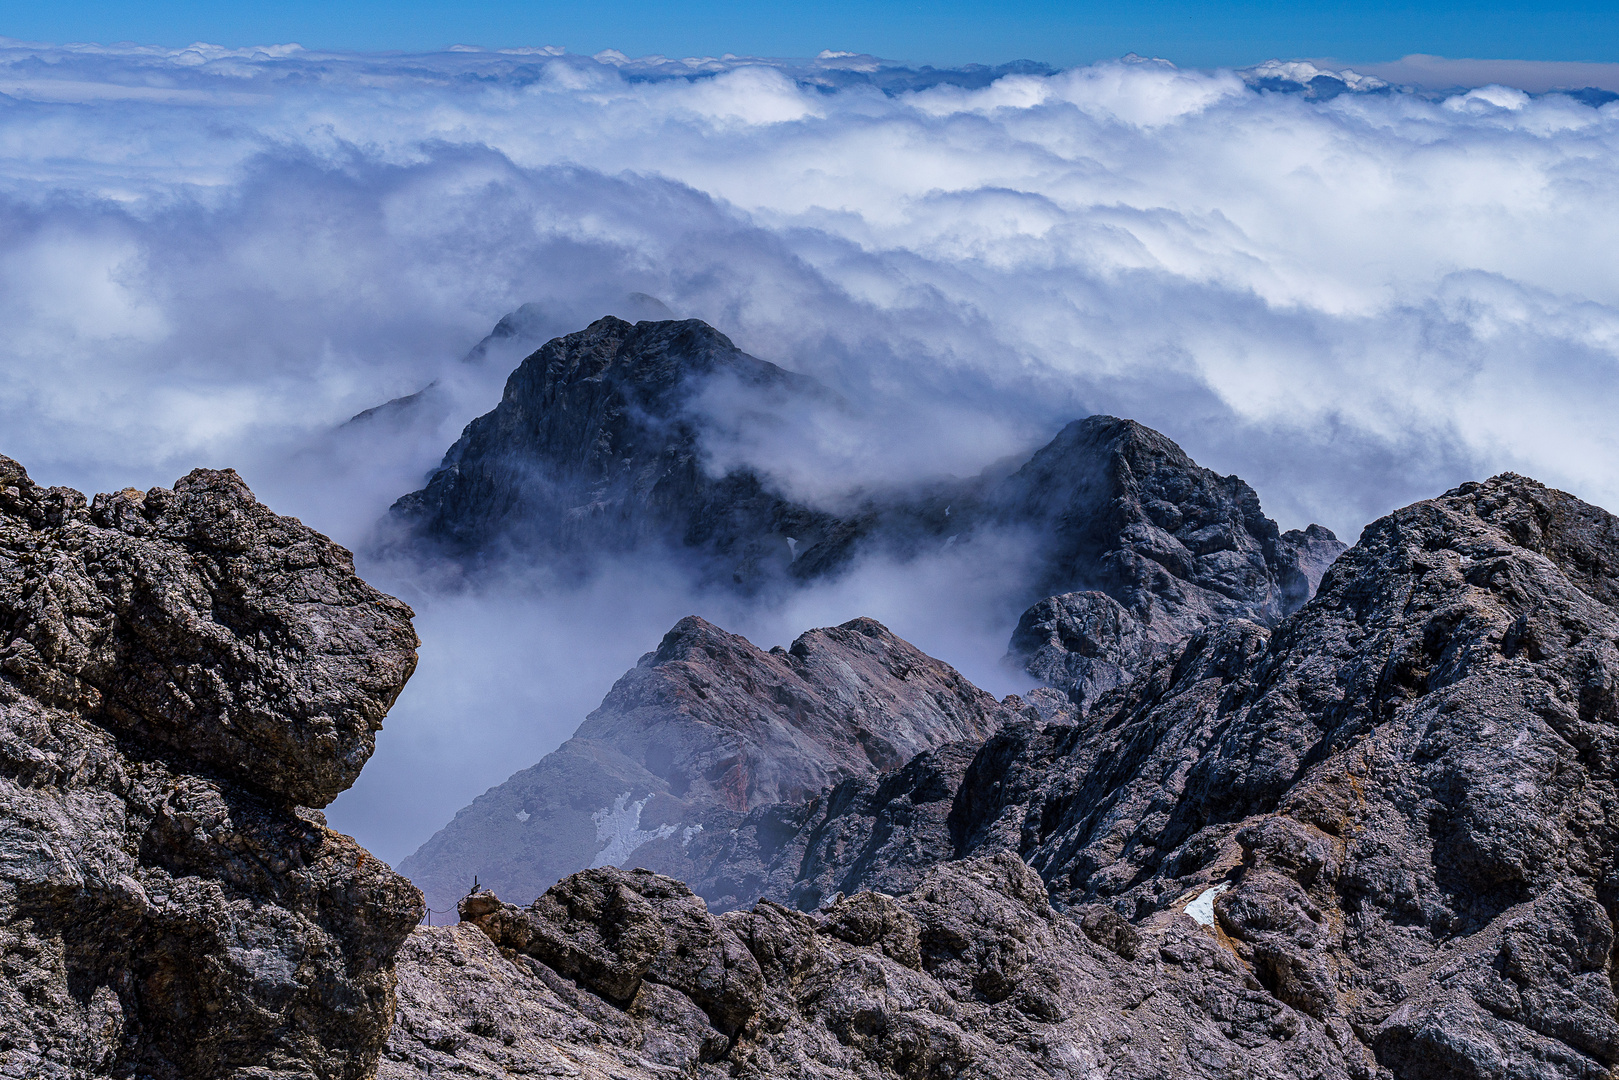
x: 951, y: 32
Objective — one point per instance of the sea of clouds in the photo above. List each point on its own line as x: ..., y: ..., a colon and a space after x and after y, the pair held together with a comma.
x: 1351, y: 299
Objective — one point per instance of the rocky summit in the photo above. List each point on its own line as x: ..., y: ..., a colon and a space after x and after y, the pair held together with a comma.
x: 595, y: 450
x: 1141, y: 548
x: 1377, y: 840
x: 185, y: 679
x: 700, y: 732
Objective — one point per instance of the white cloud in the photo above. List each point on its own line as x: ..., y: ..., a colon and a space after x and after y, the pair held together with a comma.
x: 213, y: 256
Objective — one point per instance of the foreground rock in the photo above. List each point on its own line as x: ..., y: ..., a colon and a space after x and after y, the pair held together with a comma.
x: 624, y: 974
x: 183, y: 676
x: 1378, y: 841
x: 1407, y: 791
x: 700, y: 732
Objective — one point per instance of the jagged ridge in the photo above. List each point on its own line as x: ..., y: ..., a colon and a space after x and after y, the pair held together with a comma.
x: 1393, y: 814
x: 701, y: 731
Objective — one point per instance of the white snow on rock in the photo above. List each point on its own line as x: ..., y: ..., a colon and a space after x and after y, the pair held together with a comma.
x: 1202, y: 909
x: 619, y: 827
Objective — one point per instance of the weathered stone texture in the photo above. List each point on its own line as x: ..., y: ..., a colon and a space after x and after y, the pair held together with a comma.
x: 1376, y: 841
x: 181, y: 673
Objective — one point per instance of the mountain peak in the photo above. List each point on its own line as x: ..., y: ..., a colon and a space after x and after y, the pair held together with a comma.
x: 699, y: 732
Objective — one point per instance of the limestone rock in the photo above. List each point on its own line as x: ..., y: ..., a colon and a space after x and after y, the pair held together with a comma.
x: 883, y: 832
x: 1398, y: 789
x: 179, y: 671
x: 972, y: 974
x: 1375, y: 841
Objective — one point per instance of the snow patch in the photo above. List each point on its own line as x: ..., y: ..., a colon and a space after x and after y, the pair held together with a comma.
x: 523, y: 815
x: 1202, y: 909
x: 1302, y: 74
x: 689, y: 832
x: 619, y: 827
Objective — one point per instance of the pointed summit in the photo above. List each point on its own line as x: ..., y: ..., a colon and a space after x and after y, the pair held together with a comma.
x: 594, y: 449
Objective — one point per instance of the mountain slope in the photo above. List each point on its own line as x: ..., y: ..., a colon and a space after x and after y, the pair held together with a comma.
x: 600, y: 447
x: 704, y: 729
x: 1144, y: 548
x: 593, y: 450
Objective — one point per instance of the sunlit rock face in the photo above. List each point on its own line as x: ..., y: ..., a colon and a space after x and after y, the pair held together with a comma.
x: 184, y: 677
x: 1377, y: 840
x: 699, y: 733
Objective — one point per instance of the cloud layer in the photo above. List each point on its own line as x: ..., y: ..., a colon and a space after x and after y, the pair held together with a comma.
x: 213, y: 257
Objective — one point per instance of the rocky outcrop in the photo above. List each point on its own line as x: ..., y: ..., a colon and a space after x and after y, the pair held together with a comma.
x: 883, y: 832
x: 598, y: 448
x: 184, y: 678
x: 1398, y: 806
x: 699, y: 733
x: 972, y: 974
x: 594, y: 450
x: 1146, y: 548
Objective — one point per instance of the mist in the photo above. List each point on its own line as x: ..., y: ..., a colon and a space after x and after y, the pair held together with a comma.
x: 217, y: 257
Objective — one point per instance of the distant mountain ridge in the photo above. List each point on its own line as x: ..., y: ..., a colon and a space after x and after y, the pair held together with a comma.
x: 596, y: 450
x: 592, y: 451
x: 704, y: 729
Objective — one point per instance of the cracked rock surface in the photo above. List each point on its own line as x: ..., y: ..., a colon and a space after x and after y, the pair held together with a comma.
x: 1407, y: 789
x: 1147, y: 548
x: 972, y: 974
x: 184, y: 677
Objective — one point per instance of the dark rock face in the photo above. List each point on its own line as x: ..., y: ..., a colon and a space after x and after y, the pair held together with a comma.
x: 700, y: 732
x: 181, y: 672
x: 1376, y: 841
x: 1146, y: 549
x: 596, y: 449
x: 593, y: 450
x: 1408, y: 788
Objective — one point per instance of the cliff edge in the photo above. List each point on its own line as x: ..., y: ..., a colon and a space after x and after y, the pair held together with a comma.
x: 185, y: 677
